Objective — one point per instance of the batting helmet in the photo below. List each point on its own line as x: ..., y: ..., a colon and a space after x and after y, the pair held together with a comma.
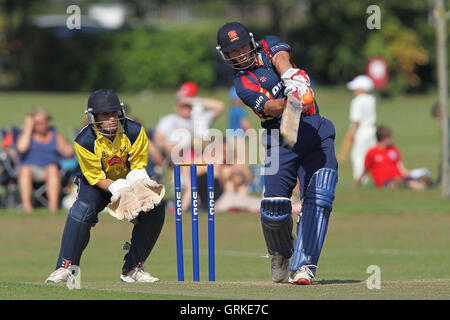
x: 231, y: 36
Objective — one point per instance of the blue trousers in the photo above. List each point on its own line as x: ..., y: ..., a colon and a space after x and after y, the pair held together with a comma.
x: 313, y: 153
x: 314, y: 150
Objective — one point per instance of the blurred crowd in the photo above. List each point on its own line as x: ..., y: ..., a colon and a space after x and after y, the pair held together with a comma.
x: 372, y: 149
x: 38, y: 164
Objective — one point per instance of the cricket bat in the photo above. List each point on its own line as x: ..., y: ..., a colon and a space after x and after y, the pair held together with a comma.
x: 290, y: 120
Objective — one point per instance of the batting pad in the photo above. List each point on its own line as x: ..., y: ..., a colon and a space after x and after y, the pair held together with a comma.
x: 76, y: 233
x: 276, y: 221
x: 313, y: 225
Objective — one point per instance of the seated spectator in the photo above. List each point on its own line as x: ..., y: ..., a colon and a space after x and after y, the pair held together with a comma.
x: 236, y: 177
x: 230, y: 193
x: 194, y: 114
x: 384, y: 163
x: 40, y: 148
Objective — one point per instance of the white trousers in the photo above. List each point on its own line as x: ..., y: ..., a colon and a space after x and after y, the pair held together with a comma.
x: 364, y: 140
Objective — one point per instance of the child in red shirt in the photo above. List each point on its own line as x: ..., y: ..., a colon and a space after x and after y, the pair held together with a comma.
x: 384, y: 163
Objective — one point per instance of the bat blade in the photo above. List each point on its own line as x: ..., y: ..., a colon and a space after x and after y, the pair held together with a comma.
x: 290, y: 120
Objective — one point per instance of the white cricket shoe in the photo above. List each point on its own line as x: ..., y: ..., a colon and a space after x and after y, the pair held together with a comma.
x: 279, y: 266
x: 138, y: 275
x: 59, y: 275
x: 302, y: 276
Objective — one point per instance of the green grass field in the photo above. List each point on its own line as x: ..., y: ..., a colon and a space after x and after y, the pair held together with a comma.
x: 403, y: 232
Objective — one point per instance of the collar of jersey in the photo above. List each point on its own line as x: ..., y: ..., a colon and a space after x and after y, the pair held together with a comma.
x: 119, y: 130
x: 254, y: 66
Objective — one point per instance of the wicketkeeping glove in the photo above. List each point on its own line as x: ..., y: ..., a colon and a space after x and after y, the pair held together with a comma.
x: 124, y: 203
x: 148, y: 191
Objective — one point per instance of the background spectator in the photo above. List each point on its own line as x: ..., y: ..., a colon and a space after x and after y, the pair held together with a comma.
x: 236, y: 177
x: 193, y: 113
x: 230, y: 183
x: 238, y: 123
x: 360, y: 136
x: 237, y: 116
x: 386, y: 167
x: 40, y: 148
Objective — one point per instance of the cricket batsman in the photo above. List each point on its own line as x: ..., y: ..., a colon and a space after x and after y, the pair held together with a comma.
x: 265, y: 79
x: 112, y: 152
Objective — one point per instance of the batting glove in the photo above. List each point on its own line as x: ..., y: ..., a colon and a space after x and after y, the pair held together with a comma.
x: 295, y: 80
x: 297, y: 83
x: 295, y: 75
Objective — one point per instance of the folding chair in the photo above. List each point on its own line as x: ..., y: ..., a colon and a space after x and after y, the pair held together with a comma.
x: 10, y: 198
x: 8, y: 179
x: 38, y: 197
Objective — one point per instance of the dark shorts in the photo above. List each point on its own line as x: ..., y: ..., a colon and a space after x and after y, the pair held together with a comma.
x: 314, y: 150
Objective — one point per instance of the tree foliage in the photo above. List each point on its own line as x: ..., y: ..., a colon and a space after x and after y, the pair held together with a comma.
x: 330, y: 40
x: 335, y: 42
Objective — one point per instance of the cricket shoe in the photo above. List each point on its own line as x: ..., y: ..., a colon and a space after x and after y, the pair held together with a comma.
x: 59, y: 275
x: 138, y: 275
x: 279, y: 266
x: 302, y: 276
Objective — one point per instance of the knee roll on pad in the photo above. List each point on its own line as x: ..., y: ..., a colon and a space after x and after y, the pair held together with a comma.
x: 313, y: 225
x: 321, y: 188
x: 83, y: 212
x: 276, y: 220
x: 274, y: 211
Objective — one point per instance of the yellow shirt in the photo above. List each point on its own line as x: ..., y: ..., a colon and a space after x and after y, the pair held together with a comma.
x: 100, y: 158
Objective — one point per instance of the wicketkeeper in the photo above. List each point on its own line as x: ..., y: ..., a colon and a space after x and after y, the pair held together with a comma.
x: 112, y: 152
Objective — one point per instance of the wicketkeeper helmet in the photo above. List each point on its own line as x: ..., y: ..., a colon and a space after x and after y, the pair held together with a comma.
x: 104, y: 100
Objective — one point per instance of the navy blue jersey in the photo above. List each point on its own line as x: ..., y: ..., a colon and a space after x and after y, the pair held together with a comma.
x: 257, y: 85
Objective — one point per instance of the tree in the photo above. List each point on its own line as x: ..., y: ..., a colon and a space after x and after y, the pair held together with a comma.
x: 441, y: 16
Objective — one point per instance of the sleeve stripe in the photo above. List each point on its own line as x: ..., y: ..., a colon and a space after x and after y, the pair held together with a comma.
x: 250, y: 85
x: 265, y: 47
x: 255, y: 87
x: 261, y: 89
x: 267, y: 93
